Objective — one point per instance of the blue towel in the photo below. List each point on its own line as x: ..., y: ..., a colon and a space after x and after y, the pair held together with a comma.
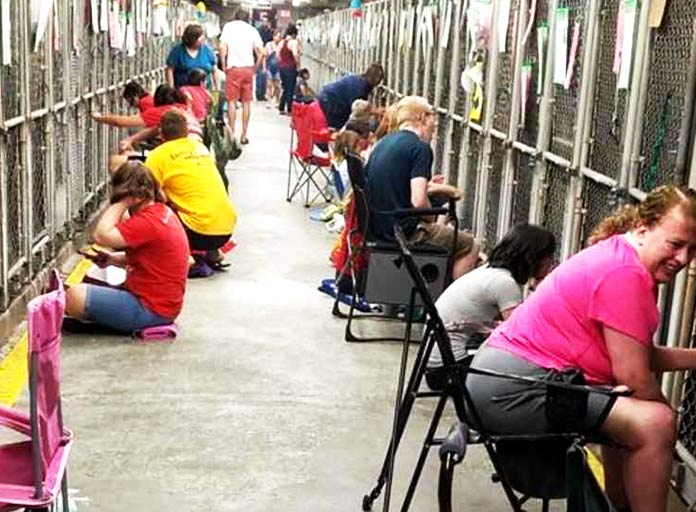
x: 328, y: 286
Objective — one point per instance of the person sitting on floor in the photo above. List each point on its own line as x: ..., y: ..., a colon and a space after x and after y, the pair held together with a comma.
x: 472, y: 305
x: 597, y: 314
x: 186, y: 171
x: 197, y: 96
x: 137, y: 97
x: 400, y: 177
x: 150, y: 244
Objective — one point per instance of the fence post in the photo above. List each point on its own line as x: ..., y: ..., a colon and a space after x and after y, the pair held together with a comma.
x: 573, y: 213
x: 443, y: 7
x: 453, y: 88
x: 51, y: 210
x: 416, y: 51
x: 489, y: 112
x: 25, y: 137
x: 537, y: 197
x: 635, y: 98
x: 508, y: 176
x: 4, y: 255
x: 463, y: 164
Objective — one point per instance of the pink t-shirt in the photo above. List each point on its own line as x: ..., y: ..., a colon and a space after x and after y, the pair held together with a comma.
x: 560, y: 325
x: 200, y: 98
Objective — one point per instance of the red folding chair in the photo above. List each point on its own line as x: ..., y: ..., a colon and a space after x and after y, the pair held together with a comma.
x: 307, y: 169
x: 32, y: 472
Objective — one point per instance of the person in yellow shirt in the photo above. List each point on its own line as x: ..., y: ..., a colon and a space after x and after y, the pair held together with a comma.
x: 190, y: 180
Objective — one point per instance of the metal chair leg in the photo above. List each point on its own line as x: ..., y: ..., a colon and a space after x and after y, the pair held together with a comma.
x: 64, y: 492
x: 428, y: 443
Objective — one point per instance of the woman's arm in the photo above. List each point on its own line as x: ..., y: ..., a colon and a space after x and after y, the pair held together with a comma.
x: 106, y: 233
x: 666, y: 359
x: 130, y: 121
x: 141, y: 136
x: 631, y: 365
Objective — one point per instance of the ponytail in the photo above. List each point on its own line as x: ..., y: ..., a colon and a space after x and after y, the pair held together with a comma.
x: 621, y: 221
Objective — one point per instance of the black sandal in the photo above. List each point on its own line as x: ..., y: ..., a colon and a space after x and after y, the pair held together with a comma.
x: 218, y: 266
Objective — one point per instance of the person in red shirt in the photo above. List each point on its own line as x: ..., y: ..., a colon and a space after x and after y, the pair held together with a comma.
x: 197, y: 96
x: 150, y: 244
x: 137, y: 97
x: 166, y: 98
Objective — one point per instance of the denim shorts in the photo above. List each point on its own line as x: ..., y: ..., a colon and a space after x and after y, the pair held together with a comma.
x: 119, y: 310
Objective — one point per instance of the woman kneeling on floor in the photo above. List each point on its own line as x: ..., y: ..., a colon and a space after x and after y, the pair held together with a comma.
x: 151, y: 245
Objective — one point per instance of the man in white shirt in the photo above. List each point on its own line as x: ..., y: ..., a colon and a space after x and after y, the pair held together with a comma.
x: 238, y: 43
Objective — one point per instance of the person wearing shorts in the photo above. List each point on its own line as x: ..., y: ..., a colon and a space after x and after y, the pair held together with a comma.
x: 400, y: 177
x: 238, y: 43
x: 594, y: 318
x: 150, y: 244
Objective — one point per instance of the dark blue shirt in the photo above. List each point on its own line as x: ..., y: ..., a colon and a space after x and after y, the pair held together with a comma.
x: 396, y: 160
x: 336, y: 99
x: 181, y: 62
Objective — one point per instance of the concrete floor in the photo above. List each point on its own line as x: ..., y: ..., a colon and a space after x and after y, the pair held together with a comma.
x: 259, y: 405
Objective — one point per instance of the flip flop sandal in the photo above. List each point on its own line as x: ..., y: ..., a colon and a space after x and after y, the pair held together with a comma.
x: 218, y: 266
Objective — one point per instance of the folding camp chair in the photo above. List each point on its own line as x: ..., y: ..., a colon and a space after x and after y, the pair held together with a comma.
x: 368, y: 270
x: 33, y: 472
x: 306, y: 168
x: 543, y: 466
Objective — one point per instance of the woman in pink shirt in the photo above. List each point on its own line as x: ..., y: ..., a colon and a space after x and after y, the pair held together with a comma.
x: 597, y: 313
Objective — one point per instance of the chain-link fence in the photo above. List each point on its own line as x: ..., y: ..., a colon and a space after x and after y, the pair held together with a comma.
x: 559, y: 139
x: 53, y: 157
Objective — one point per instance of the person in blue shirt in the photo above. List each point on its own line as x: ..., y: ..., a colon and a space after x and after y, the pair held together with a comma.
x: 336, y: 98
x: 191, y: 53
x: 399, y: 177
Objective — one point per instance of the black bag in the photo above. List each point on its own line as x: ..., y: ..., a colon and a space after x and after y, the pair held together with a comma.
x: 565, y: 408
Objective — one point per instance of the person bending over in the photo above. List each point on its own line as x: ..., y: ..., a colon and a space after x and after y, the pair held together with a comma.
x: 475, y: 302
x: 150, y: 244
x: 597, y: 313
x: 166, y: 98
x: 137, y: 97
x: 399, y: 177
x: 336, y: 99
x: 186, y: 171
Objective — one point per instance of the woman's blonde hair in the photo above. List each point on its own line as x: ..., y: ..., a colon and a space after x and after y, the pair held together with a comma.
x: 410, y: 109
x: 360, y: 109
x: 649, y: 212
x: 387, y: 123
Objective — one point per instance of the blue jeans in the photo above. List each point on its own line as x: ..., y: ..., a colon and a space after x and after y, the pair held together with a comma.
x: 260, y: 84
x: 119, y: 310
x: 288, y: 78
